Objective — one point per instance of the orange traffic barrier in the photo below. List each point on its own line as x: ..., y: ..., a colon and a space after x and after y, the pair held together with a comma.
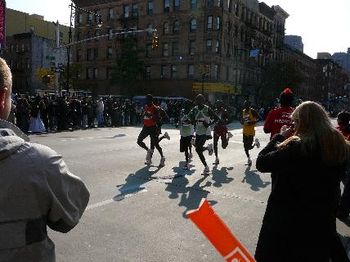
x: 219, y: 234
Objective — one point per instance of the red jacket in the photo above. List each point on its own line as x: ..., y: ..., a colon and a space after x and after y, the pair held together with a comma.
x: 277, y: 118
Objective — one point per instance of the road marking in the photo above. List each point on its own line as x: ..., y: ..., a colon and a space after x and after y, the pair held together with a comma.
x: 100, y: 204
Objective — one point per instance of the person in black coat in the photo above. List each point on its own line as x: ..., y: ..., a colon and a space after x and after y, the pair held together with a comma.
x: 300, y: 218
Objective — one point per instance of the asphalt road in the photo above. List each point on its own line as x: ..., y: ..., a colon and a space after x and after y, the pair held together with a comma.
x: 138, y: 213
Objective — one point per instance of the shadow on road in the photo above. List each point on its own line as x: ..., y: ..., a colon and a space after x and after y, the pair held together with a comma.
x: 190, y: 196
x: 220, y: 176
x: 134, y: 182
x: 252, y: 178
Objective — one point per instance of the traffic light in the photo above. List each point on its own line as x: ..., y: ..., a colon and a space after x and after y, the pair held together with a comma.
x: 155, y: 41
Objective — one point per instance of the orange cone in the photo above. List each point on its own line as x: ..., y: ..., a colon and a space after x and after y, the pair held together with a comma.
x: 219, y: 234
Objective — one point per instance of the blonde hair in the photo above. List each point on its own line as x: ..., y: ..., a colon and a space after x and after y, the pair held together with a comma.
x: 313, y: 128
x: 5, y: 76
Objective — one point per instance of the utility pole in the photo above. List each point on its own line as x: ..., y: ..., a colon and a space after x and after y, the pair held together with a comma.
x: 68, y: 47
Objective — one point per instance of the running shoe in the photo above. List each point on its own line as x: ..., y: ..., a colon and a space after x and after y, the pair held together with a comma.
x: 210, y: 149
x: 162, y: 162
x: 216, y: 161
x: 148, y: 160
x: 206, y: 171
x: 166, y: 135
x: 186, y: 167
x: 249, y: 163
x: 257, y: 143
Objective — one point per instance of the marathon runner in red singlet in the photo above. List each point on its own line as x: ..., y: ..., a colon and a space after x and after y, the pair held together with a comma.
x: 280, y: 116
x: 150, y: 128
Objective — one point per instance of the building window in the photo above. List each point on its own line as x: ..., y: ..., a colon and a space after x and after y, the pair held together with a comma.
x: 148, y: 72
x: 227, y: 73
x: 236, y: 9
x: 173, y: 71
x: 210, y: 22
x: 78, y: 36
x: 89, y: 54
x: 165, y: 49
x: 126, y: 11
x: 80, y: 18
x: 110, y: 34
x: 109, y: 72
x: 218, y: 23
x: 150, y: 7
x: 95, y: 53
x: 149, y: 31
x: 176, y: 27
x: 193, y: 4
x: 95, y: 73
x: 166, y: 28
x: 193, y: 25
x: 135, y: 10
x: 217, y: 46
x: 90, y: 18
x: 166, y: 4
x: 148, y: 50
x: 175, y: 48
x: 216, y: 72
x: 109, y: 52
x: 78, y: 57
x: 164, y: 71
x: 209, y: 45
x: 110, y: 13
x: 210, y: 3
x: 229, y: 3
x: 192, y: 47
x: 219, y: 3
x: 190, y: 71
x: 176, y: 4
x: 89, y: 73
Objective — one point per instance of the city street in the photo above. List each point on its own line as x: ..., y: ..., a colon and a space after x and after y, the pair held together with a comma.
x: 137, y: 213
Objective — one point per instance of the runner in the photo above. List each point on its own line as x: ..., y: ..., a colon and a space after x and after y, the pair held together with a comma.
x: 248, y: 120
x: 280, y: 116
x: 220, y: 129
x: 186, y: 132
x: 200, y: 115
x: 151, y: 116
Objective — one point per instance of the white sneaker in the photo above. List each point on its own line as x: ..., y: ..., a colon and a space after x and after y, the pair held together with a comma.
x: 217, y: 161
x: 257, y: 143
x: 162, y: 162
x: 210, y: 149
x: 166, y: 135
x: 229, y: 135
x: 249, y: 162
x: 206, y: 171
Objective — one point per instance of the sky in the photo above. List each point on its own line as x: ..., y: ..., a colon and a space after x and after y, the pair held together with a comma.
x: 323, y: 25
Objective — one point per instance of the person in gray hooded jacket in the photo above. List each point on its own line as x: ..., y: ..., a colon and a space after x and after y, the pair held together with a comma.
x: 36, y: 190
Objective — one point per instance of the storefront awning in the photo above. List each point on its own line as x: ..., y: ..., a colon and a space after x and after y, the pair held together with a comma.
x: 214, y: 88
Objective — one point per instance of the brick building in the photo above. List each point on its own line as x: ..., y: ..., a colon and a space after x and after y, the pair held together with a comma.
x: 26, y: 53
x: 214, y: 45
